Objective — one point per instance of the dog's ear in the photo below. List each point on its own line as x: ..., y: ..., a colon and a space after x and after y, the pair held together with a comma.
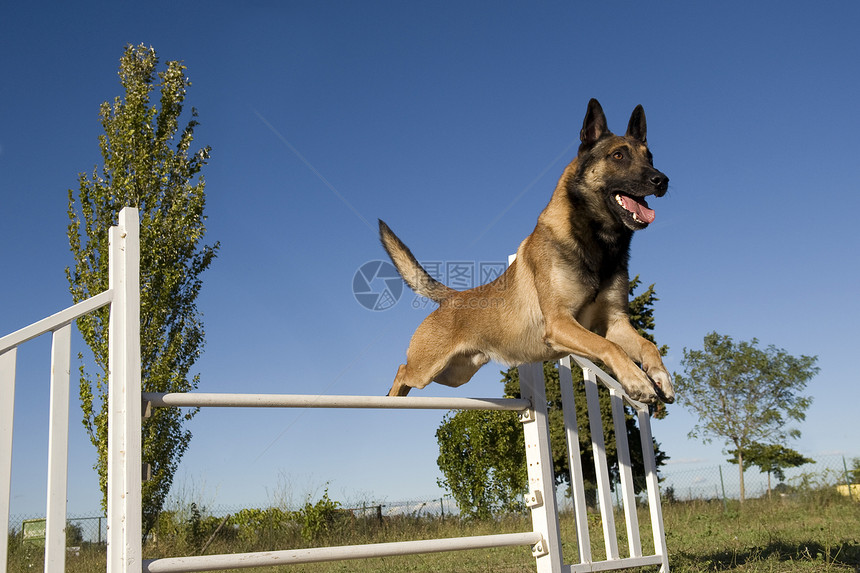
x: 594, y: 125
x: 637, y: 128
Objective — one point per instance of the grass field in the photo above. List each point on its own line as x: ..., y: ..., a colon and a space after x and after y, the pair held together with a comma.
x: 817, y: 531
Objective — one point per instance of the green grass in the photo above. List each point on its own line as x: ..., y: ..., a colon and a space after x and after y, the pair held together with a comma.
x: 819, y: 532
x: 816, y: 532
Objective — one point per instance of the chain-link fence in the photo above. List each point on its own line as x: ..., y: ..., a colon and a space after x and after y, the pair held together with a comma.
x: 712, y: 482
x: 83, y: 530
x: 80, y: 530
x: 440, y: 506
x: 419, y: 507
x: 723, y: 481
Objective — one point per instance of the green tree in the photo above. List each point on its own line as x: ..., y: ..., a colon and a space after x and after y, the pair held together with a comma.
x: 74, y: 534
x: 482, y: 454
x: 147, y: 166
x: 744, y: 394
x: 771, y: 459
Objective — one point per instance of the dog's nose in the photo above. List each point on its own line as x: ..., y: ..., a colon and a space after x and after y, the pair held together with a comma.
x: 661, y: 182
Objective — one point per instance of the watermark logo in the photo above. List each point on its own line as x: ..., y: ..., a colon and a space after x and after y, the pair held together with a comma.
x: 377, y: 285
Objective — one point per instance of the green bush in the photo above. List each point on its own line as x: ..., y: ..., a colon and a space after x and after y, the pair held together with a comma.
x: 317, y: 519
x: 253, y: 525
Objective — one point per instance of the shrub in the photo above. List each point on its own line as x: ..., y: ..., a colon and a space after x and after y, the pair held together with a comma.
x: 317, y: 519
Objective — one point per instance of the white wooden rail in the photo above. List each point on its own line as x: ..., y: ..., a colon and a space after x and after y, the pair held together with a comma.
x: 125, y: 554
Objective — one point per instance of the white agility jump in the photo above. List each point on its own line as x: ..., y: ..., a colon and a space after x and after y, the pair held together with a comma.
x: 127, y: 405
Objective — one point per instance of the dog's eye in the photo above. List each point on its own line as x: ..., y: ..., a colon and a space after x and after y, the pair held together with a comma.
x: 617, y: 155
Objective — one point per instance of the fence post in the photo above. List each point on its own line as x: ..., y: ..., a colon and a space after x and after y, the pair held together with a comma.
x: 541, y: 495
x: 652, y: 484
x: 601, y: 465
x: 571, y: 429
x: 7, y: 412
x: 625, y: 471
x: 124, y: 531
x: 58, y: 450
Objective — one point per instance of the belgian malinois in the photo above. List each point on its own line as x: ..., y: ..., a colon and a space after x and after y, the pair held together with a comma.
x: 567, y: 290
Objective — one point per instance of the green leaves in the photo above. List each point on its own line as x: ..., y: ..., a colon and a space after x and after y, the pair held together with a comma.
x: 742, y: 393
x: 482, y: 456
x: 145, y: 166
x: 771, y: 458
x: 318, y: 518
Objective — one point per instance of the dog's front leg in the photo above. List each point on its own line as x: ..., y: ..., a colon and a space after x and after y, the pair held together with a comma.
x: 644, y: 352
x: 565, y: 335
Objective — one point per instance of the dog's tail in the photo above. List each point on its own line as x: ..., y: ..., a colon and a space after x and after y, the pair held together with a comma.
x: 410, y: 269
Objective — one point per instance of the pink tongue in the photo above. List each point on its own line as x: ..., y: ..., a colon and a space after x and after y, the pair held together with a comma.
x: 639, y: 207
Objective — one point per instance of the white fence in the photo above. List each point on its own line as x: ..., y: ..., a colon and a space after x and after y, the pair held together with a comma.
x: 124, y: 529
x: 126, y: 402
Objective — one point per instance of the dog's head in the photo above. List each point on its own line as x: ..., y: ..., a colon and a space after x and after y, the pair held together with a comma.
x: 620, y: 167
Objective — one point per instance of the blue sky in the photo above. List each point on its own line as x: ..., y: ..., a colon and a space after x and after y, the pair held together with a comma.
x: 451, y: 121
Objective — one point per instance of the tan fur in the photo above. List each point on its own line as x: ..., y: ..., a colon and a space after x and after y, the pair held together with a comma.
x: 567, y: 290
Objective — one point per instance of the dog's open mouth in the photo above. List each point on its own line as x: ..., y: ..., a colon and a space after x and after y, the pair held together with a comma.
x: 637, y: 207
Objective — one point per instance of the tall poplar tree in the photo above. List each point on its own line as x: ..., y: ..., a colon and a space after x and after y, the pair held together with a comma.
x: 147, y: 163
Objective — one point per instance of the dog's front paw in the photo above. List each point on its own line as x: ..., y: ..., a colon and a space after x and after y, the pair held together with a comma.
x: 638, y: 386
x: 662, y: 382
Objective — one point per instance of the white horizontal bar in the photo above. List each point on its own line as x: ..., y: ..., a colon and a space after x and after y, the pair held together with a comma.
x: 201, y: 399
x: 320, y: 554
x: 608, y: 381
x: 55, y: 321
x: 615, y: 564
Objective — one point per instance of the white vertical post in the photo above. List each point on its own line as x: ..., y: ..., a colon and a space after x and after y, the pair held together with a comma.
x: 7, y: 412
x: 58, y: 450
x: 577, y: 482
x: 653, y: 490
x: 598, y: 446
x: 115, y: 437
x: 124, y: 415
x: 626, y: 473
x: 541, y: 494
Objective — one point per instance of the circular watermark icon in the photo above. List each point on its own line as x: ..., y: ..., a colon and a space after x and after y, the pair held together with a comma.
x: 377, y: 285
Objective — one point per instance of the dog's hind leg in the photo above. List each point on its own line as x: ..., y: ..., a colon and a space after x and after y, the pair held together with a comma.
x: 454, y: 372
x: 411, y: 377
x: 460, y: 369
x: 436, y: 353
x: 398, y: 387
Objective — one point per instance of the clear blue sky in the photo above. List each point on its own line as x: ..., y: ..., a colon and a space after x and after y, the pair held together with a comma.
x: 451, y: 121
